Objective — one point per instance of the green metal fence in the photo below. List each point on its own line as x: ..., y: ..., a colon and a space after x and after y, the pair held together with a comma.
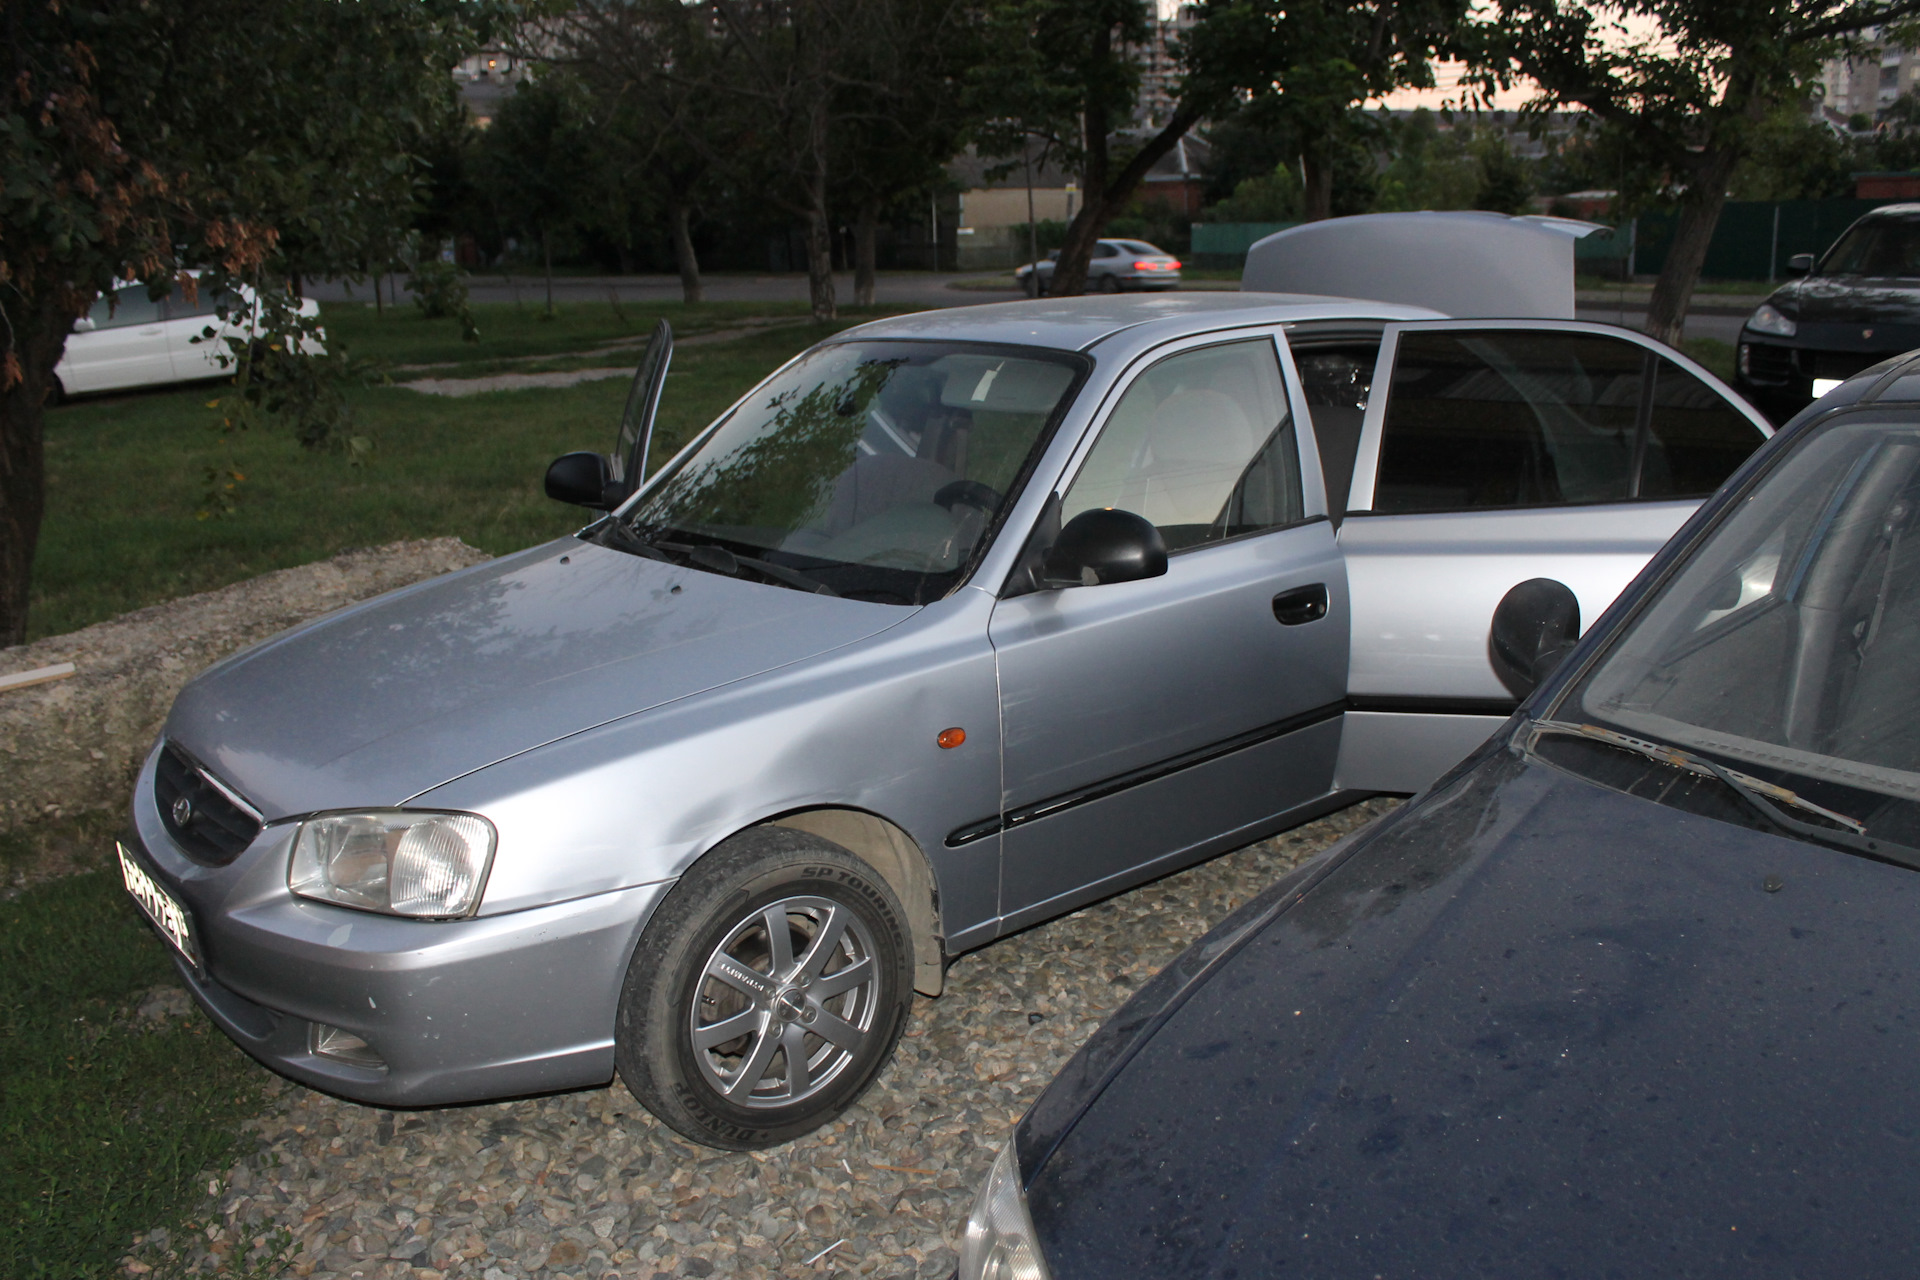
x: 1225, y: 244
x: 1754, y: 238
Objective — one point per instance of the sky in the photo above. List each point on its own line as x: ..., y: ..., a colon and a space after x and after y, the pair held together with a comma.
x: 1448, y: 93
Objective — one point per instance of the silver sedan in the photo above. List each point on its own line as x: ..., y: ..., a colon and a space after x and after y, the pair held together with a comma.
x: 1116, y: 266
x: 957, y: 622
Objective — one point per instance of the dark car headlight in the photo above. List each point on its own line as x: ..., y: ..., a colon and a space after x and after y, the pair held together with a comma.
x: 394, y: 861
x: 999, y: 1243
x: 1769, y: 319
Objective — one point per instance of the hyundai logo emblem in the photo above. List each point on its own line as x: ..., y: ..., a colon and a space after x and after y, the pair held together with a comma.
x: 182, y: 812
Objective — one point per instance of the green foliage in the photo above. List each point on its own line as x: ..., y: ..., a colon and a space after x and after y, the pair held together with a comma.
x: 106, y: 1118
x: 537, y: 156
x: 1251, y: 140
x: 268, y: 142
x: 1684, y: 90
x: 439, y: 289
x: 125, y: 473
x: 1310, y: 65
x: 1153, y: 222
x: 1269, y: 197
x: 1795, y: 156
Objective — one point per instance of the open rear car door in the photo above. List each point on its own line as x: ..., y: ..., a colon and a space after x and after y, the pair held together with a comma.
x: 1494, y: 452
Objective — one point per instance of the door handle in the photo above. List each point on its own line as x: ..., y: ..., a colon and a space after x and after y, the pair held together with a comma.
x: 1302, y: 604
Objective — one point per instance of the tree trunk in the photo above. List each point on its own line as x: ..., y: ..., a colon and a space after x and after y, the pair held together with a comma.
x: 866, y: 225
x: 820, y: 265
x: 683, y: 255
x: 1316, y: 183
x: 819, y: 227
x: 546, y: 256
x: 1699, y: 214
x: 39, y: 334
x: 1104, y: 198
x: 1076, y: 251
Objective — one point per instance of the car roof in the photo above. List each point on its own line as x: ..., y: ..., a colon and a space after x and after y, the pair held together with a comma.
x: 1079, y: 324
x: 1895, y: 380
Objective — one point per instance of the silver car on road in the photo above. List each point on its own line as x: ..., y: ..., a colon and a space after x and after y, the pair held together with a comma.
x: 1115, y: 266
x: 958, y: 621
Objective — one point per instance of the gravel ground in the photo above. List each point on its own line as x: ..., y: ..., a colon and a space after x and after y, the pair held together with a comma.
x: 588, y: 1185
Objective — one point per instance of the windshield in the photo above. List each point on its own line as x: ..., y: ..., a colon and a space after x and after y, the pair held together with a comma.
x: 1785, y: 644
x: 876, y: 469
x: 1885, y: 249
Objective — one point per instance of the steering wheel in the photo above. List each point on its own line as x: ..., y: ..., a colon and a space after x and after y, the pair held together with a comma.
x: 969, y: 493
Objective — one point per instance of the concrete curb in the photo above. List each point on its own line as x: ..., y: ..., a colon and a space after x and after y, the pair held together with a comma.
x: 75, y: 744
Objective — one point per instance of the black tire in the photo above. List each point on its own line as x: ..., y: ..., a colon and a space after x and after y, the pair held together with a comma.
x: 1109, y: 284
x: 717, y: 917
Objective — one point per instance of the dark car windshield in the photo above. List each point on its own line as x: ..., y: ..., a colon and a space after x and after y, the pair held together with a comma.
x: 873, y: 468
x: 1786, y: 644
x: 1883, y: 249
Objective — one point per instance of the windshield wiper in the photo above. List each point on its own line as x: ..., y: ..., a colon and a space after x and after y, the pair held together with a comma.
x: 1757, y: 793
x: 618, y: 534
x: 718, y: 559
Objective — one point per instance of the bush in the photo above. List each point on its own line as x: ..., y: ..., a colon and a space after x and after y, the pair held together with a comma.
x: 439, y: 289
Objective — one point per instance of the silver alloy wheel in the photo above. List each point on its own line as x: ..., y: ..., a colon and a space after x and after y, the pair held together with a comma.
x: 784, y: 1002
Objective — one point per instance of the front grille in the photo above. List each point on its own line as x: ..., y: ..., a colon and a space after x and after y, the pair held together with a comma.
x: 1768, y: 363
x: 215, y: 828
x: 1842, y: 364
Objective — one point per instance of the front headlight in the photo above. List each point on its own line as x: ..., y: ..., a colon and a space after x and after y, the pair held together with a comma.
x: 403, y: 864
x: 1000, y: 1243
x: 1769, y: 320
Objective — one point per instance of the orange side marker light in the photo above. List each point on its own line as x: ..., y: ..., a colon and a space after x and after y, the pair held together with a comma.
x: 951, y: 738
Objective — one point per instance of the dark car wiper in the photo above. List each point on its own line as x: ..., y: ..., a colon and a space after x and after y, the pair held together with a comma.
x: 1757, y: 793
x: 718, y: 559
x: 617, y: 534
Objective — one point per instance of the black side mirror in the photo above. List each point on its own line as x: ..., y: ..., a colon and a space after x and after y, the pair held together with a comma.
x: 1534, y: 628
x: 1104, y: 546
x: 583, y: 479
x: 1800, y: 264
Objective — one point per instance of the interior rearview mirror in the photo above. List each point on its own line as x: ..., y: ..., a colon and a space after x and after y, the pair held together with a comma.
x: 1104, y: 546
x: 584, y: 479
x: 1534, y: 628
x: 1800, y: 264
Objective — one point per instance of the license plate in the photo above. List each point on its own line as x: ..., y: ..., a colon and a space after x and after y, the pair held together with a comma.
x: 167, y: 914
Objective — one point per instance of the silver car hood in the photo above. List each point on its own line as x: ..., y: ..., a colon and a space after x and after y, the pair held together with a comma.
x: 389, y: 698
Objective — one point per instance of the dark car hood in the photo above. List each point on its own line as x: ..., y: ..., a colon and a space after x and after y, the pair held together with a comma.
x: 1850, y: 301
x: 389, y: 698
x: 1534, y: 1028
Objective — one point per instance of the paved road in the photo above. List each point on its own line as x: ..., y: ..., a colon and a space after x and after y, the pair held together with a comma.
x: 898, y: 289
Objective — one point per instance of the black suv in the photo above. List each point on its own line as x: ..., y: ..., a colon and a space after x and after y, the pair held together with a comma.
x: 1857, y: 306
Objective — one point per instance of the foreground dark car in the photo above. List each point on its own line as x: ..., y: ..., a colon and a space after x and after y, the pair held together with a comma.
x: 1858, y: 305
x: 1634, y: 990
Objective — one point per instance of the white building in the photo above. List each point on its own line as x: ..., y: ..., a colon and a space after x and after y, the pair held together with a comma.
x: 1871, y: 84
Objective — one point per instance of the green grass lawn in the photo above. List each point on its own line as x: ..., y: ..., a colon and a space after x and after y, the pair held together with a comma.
x: 403, y: 336
x: 105, y: 1116
x: 126, y: 474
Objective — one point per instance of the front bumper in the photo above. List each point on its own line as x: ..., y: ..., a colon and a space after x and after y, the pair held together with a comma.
x: 457, y: 1010
x: 1777, y: 374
